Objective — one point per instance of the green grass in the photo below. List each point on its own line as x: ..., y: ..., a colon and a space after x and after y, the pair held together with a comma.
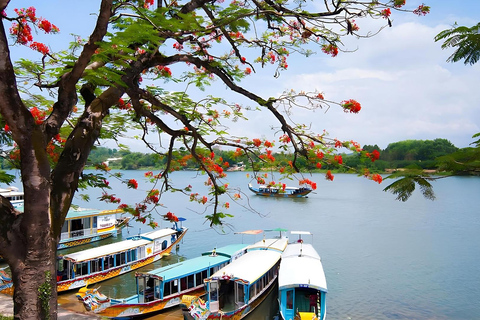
x: 5, y: 318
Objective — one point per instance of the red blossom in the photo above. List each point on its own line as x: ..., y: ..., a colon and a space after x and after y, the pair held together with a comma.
x: 330, y: 49
x: 248, y: 70
x: 377, y: 178
x: 320, y: 96
x: 257, y: 142
x: 338, y: 158
x: 421, y: 10
x: 319, y: 165
x: 132, y: 183
x: 351, y: 106
x: 399, y: 3
x: 329, y: 175
x: 385, y: 13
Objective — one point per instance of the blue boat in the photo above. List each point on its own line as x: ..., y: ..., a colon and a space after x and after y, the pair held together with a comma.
x: 164, y: 287
x: 287, y: 192
x: 234, y: 291
x: 302, y: 286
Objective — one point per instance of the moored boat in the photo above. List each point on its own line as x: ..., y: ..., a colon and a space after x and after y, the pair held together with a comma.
x: 82, y: 225
x: 237, y: 289
x: 302, y: 285
x: 86, y: 267
x: 164, y: 287
x: 280, y: 192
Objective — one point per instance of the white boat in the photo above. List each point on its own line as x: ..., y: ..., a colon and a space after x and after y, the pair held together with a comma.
x: 302, y: 285
x: 81, y: 225
x: 82, y: 268
x: 236, y: 290
x: 164, y: 287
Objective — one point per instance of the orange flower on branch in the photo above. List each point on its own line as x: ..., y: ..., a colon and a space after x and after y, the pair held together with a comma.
x: 351, y: 106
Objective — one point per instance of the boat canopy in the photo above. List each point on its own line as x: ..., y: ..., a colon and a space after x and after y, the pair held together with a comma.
x: 249, y: 267
x: 77, y: 213
x: 304, y: 269
x: 194, y: 265
x: 278, y: 244
x: 113, y: 248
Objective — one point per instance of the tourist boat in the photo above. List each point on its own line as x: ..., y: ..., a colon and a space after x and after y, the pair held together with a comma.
x: 81, y: 225
x: 237, y: 289
x: 287, y: 192
x: 82, y: 268
x: 302, y: 286
x: 164, y: 287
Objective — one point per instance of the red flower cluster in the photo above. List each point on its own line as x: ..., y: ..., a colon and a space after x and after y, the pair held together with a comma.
x: 330, y: 49
x: 132, y: 183
x: 164, y: 71
x: 285, y: 139
x: 329, y: 175
x: 421, y: 10
x: 257, y: 142
x: 375, y: 155
x: 338, y: 159
x: 309, y: 182
x: 377, y: 178
x: 171, y: 217
x: 23, y: 32
x: 385, y: 13
x: 109, y: 198
x: 351, y: 105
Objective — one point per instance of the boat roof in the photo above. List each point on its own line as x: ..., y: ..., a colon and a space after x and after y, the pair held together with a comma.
x: 113, y: 248
x: 304, y: 269
x: 249, y: 267
x: 78, y: 213
x: 195, y: 265
x: 278, y: 244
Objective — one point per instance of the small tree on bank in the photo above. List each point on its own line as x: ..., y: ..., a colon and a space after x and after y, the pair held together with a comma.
x: 118, y: 78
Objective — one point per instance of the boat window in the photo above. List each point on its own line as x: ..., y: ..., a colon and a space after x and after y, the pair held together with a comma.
x: 164, y: 244
x: 117, y: 260
x: 290, y: 299
x: 167, y: 289
x: 198, y: 278
x: 183, y: 284
x: 122, y: 258
x: 175, y: 286
x: 94, y: 222
x: 81, y: 269
x: 94, y: 266
x: 141, y: 289
x: 65, y: 226
x: 158, y: 283
x: 86, y: 223
x: 239, y: 294
x: 190, y: 281
x: 253, y: 292
x: 213, y: 291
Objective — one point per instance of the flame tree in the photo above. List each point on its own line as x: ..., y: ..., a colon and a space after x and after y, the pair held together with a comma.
x: 53, y: 110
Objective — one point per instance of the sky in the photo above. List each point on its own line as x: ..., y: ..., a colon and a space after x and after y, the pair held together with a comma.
x: 400, y: 76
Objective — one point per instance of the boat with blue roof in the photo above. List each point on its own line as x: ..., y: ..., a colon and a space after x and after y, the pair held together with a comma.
x: 164, y: 287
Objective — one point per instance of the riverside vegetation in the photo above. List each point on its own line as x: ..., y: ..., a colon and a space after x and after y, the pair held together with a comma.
x: 423, y: 154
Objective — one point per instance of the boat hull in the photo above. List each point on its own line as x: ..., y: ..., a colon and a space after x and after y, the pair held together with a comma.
x: 289, y: 192
x: 117, y: 309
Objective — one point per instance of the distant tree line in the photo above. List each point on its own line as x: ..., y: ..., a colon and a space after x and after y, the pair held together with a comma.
x: 422, y: 154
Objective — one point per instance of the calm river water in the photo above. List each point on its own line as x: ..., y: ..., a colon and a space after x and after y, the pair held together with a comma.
x: 383, y: 259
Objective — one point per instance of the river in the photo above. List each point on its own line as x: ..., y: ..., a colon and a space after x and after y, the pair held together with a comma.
x: 383, y: 259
